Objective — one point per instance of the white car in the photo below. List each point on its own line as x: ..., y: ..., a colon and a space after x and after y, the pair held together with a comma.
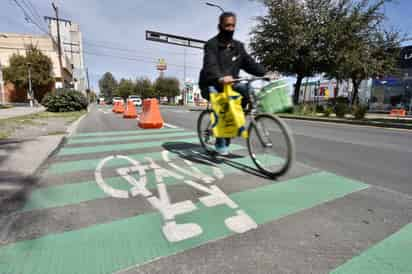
x: 136, y: 100
x: 117, y: 99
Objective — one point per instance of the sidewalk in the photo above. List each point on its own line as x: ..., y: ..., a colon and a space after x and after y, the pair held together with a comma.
x: 19, y: 111
x: 21, y: 157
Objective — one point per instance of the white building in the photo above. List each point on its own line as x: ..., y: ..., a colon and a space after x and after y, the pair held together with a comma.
x: 72, y: 47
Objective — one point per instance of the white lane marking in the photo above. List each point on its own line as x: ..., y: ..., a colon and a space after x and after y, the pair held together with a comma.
x: 170, y: 126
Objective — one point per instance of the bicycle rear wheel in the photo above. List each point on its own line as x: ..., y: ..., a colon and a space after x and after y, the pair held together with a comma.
x: 204, y: 131
x: 271, y: 145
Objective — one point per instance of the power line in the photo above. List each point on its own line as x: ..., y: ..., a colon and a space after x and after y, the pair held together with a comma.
x: 141, y: 60
x: 32, y: 10
x: 29, y: 18
x: 105, y: 45
x: 140, y: 56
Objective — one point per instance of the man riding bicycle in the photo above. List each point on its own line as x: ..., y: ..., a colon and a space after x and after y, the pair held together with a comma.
x: 223, y: 59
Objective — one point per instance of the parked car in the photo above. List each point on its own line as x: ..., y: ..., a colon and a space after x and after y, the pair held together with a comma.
x: 136, y: 100
x: 117, y: 99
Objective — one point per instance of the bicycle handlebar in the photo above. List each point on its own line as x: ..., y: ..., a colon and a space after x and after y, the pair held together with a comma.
x: 251, y: 79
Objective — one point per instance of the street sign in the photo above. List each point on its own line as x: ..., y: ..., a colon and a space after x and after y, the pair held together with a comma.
x: 174, y: 39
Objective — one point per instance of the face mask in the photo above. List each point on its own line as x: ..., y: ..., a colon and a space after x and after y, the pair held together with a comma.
x: 227, y: 35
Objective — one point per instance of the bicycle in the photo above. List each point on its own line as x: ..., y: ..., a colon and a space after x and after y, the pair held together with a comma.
x: 265, y: 130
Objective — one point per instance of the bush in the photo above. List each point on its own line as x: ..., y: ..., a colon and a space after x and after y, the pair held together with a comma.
x: 341, y: 109
x: 320, y: 109
x: 305, y: 109
x: 359, y: 111
x: 328, y: 111
x: 337, y: 100
x: 64, y: 100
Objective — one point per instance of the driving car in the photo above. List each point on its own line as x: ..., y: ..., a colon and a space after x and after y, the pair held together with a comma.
x: 117, y: 99
x: 136, y: 100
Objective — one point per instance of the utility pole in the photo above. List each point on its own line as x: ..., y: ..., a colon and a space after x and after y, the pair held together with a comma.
x: 88, y: 80
x: 184, y: 77
x: 3, y: 95
x: 59, y: 46
x: 30, y: 87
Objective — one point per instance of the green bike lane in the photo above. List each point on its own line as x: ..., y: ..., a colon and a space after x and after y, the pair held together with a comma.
x: 131, y: 242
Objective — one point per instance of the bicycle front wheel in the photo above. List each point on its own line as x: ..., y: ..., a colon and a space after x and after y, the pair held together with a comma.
x: 204, y: 131
x: 271, y: 145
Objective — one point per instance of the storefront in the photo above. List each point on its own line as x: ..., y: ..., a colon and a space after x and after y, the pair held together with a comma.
x: 394, y: 91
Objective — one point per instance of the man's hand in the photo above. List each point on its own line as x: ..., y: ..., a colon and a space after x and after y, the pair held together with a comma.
x: 226, y: 80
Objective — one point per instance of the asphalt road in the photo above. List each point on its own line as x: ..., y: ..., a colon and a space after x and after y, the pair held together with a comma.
x: 345, y: 207
x: 377, y: 156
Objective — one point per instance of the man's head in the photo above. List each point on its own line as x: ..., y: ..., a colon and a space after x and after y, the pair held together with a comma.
x: 227, y: 25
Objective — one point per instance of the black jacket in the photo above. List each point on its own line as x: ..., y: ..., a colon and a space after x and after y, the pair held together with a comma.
x: 221, y: 60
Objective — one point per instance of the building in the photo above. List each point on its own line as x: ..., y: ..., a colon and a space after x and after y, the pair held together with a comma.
x: 72, y: 47
x: 318, y: 91
x: 73, y: 73
x: 394, y: 91
x: 14, y: 43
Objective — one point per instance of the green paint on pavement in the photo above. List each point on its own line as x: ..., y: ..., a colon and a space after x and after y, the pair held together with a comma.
x: 57, y: 196
x: 392, y: 255
x: 130, y: 138
x: 117, y: 147
x: 110, y: 247
x: 124, y: 132
x: 91, y: 164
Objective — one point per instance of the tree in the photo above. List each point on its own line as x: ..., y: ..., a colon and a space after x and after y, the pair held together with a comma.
x: 363, y: 48
x: 125, y: 88
x: 145, y: 88
x: 167, y: 87
x: 291, y: 38
x: 107, y: 85
x: 41, y: 72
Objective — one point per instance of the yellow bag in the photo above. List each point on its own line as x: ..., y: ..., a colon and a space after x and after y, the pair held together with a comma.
x: 228, y: 119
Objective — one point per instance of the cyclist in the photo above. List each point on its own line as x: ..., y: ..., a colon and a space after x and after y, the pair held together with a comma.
x: 223, y: 59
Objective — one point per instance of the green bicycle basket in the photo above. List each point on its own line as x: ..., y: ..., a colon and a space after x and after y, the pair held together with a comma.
x: 274, y: 98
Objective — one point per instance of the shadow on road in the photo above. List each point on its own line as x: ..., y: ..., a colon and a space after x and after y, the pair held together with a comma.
x: 195, y: 153
x: 14, y: 186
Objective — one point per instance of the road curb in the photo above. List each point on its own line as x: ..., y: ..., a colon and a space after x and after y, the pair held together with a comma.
x: 355, y: 123
x: 69, y: 132
x: 73, y: 127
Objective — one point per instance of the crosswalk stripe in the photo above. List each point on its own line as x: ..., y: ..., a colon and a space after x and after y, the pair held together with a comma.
x: 116, y: 147
x: 91, y: 164
x: 56, y: 196
x: 110, y: 247
x: 129, y: 138
x: 392, y: 255
x: 125, y: 132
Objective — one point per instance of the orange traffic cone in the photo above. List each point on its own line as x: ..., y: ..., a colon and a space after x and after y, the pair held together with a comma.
x: 115, y: 106
x: 119, y: 108
x: 130, y: 112
x: 151, y: 117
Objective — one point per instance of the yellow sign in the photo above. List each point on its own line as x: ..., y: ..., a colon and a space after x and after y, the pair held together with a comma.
x: 327, y: 93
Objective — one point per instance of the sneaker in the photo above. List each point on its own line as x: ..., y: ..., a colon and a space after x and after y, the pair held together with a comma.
x: 224, y: 151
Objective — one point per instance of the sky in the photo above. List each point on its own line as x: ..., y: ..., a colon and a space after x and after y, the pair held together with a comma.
x: 122, y: 24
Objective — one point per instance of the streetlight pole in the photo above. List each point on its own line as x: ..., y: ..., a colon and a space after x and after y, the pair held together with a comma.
x: 216, y: 6
x: 30, y: 95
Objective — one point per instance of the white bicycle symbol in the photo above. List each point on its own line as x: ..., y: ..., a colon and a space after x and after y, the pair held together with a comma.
x: 239, y: 223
